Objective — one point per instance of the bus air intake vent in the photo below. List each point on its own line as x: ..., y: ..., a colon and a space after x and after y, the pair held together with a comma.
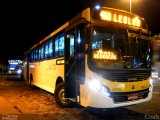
x: 126, y: 75
x: 130, y: 96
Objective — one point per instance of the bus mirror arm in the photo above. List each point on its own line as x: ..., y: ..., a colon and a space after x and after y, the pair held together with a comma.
x: 86, y: 48
x: 87, y: 33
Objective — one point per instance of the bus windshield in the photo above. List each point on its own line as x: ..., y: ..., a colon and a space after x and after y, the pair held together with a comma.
x: 114, y: 49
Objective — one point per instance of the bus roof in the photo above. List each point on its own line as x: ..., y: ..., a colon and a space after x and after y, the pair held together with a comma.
x: 84, y: 14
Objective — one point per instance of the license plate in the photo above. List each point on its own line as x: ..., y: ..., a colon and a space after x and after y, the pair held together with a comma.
x: 132, y: 96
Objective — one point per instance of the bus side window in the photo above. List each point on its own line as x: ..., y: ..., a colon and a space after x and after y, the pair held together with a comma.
x: 70, y: 36
x: 59, y: 46
x: 41, y: 52
x: 48, y: 49
x: 56, y: 47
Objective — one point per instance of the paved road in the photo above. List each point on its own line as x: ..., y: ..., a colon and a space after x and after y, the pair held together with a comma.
x: 18, y: 101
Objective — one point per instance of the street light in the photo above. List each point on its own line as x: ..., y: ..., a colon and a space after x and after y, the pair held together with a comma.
x: 130, y: 5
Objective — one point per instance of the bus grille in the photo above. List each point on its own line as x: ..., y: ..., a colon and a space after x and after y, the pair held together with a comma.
x: 122, y: 97
x: 127, y: 75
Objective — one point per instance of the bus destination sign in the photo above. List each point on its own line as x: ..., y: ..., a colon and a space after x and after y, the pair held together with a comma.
x: 120, y: 17
x: 104, y: 55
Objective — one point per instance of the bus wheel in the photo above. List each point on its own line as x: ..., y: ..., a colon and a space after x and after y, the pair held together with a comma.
x: 59, y: 97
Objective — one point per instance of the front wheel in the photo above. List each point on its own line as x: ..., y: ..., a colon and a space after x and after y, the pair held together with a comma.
x: 59, y: 96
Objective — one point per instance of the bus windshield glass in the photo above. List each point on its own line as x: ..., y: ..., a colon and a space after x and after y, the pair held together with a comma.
x: 114, y: 49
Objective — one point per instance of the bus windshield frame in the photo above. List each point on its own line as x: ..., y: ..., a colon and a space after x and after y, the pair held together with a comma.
x: 114, y: 48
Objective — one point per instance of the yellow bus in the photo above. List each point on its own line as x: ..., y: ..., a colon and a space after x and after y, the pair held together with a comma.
x: 100, y: 58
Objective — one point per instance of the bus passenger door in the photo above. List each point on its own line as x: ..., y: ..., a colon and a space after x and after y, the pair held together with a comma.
x: 74, y: 63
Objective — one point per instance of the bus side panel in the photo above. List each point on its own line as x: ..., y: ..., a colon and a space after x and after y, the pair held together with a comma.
x: 45, y: 74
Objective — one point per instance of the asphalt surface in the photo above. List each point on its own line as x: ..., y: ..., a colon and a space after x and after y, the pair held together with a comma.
x: 18, y: 101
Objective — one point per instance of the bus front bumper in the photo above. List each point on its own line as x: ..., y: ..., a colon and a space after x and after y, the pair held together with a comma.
x: 99, y: 100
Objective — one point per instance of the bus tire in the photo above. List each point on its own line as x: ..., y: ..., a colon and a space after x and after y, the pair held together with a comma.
x: 59, y: 97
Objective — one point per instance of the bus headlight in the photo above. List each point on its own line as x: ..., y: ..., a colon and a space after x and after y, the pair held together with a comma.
x: 105, y: 90
x: 97, y: 86
x: 19, y: 71
x: 151, y: 84
x: 151, y: 81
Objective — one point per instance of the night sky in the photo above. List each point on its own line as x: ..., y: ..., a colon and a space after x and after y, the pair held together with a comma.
x: 24, y: 23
